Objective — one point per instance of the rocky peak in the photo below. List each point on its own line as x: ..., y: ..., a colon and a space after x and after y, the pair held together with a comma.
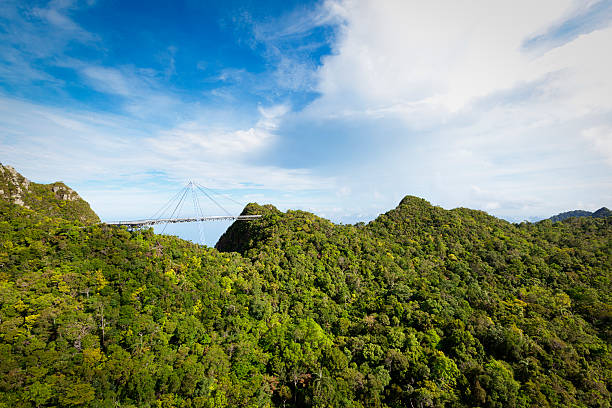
x: 63, y: 192
x: 54, y: 200
x: 13, y: 185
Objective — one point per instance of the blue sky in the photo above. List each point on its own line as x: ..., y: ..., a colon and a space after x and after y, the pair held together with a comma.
x: 339, y: 107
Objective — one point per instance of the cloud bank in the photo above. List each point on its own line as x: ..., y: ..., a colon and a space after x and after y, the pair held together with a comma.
x: 466, y: 113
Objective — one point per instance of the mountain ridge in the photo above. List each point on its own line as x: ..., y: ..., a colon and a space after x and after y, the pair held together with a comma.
x: 601, y: 213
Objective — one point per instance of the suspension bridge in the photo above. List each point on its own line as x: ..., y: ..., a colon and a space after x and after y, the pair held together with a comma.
x: 195, y: 192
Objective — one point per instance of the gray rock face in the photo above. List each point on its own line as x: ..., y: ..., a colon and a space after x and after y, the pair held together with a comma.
x: 65, y: 193
x: 17, y: 185
x: 17, y: 182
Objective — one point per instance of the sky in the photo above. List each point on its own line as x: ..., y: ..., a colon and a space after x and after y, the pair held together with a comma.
x: 339, y: 107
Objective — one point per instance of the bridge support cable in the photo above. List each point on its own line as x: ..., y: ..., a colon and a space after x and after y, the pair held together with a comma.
x: 213, y: 200
x: 202, y: 217
x: 199, y: 213
x: 175, y: 208
x: 241, y: 205
x: 159, y: 213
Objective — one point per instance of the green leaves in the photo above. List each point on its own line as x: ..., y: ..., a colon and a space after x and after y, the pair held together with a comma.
x: 422, y: 306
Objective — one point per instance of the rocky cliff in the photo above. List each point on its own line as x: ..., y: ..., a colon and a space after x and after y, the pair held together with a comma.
x: 53, y: 200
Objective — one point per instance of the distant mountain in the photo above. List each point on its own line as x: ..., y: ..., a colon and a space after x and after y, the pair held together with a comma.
x: 601, y: 213
x: 53, y: 200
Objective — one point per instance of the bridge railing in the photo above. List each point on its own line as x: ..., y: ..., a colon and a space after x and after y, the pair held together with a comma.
x: 143, y: 223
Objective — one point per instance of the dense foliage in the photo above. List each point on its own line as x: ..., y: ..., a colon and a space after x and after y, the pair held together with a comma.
x: 422, y: 307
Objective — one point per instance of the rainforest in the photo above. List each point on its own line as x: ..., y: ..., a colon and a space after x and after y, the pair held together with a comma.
x: 421, y: 307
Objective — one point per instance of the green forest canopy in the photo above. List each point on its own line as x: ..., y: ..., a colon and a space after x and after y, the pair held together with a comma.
x: 422, y: 307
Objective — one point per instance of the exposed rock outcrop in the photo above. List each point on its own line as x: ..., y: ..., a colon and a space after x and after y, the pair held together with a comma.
x: 54, y: 200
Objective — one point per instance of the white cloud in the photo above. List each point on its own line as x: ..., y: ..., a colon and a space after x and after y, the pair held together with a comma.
x: 31, y: 36
x: 128, y: 170
x: 42, y: 31
x: 477, y: 108
x: 600, y: 139
x: 108, y: 80
x: 55, y: 14
x: 288, y: 45
x: 439, y: 53
x: 199, y: 138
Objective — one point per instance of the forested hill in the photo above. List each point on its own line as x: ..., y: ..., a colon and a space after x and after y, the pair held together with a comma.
x: 422, y: 307
x: 53, y: 200
x: 440, y: 307
x: 603, y: 212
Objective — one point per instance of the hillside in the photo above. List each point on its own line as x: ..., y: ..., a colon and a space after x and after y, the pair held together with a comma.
x: 421, y: 307
x: 449, y: 306
x: 53, y: 200
x: 601, y: 213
